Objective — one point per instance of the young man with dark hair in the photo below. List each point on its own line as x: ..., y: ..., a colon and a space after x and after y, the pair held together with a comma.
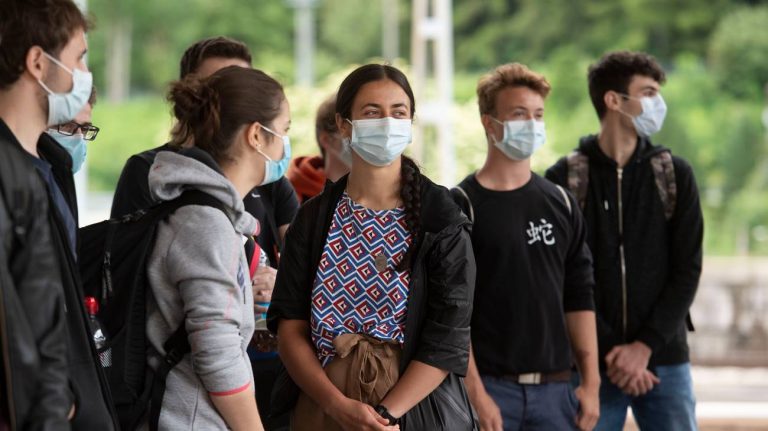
x: 44, y: 82
x: 308, y: 174
x: 533, y: 312
x: 645, y: 229
x: 274, y: 205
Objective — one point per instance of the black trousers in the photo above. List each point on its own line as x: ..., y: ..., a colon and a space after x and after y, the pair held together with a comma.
x: 264, y: 375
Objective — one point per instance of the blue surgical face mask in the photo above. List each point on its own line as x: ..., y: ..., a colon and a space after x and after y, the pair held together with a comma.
x: 63, y: 107
x: 652, y: 118
x: 274, y: 170
x: 521, y: 138
x: 75, y: 146
x: 380, y: 141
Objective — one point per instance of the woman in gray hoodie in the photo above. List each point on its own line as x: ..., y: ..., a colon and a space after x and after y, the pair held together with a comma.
x: 238, y: 120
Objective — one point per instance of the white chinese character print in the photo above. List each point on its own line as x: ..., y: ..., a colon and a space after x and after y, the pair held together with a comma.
x: 542, y: 232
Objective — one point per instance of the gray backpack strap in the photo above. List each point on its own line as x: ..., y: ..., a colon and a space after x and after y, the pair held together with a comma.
x: 469, y: 204
x: 565, y: 197
x: 578, y: 176
x: 664, y: 175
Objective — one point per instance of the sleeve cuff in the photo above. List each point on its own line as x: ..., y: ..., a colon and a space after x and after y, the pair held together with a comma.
x: 651, y: 339
x: 579, y: 303
x: 230, y: 392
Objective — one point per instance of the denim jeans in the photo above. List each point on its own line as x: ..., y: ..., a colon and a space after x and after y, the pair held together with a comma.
x: 669, y: 406
x: 550, y: 406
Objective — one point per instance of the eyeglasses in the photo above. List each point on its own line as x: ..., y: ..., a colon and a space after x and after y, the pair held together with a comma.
x: 89, y: 131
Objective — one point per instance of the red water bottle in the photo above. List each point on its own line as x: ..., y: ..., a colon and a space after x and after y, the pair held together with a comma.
x: 99, y: 334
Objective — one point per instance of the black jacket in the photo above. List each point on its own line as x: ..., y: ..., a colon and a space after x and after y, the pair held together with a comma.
x: 35, y: 394
x: 663, y: 258
x: 274, y: 204
x: 440, y: 293
x: 88, y: 383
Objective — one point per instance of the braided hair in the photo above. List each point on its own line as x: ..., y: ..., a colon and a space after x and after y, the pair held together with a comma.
x: 410, y: 175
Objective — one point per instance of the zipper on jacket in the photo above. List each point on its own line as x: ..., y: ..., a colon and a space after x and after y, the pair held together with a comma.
x: 619, y: 173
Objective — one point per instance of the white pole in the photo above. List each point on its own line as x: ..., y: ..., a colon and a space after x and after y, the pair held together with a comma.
x: 304, y: 44
x: 435, y: 111
x: 390, y: 38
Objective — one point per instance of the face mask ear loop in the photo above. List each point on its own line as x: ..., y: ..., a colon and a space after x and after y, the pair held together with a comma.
x: 503, y: 130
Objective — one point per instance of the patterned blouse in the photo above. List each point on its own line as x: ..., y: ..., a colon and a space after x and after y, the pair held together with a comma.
x: 357, y: 289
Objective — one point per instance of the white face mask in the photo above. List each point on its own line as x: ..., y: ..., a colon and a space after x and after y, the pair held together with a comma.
x: 380, y: 141
x: 344, y: 155
x: 521, y: 138
x: 63, y: 107
x: 652, y: 118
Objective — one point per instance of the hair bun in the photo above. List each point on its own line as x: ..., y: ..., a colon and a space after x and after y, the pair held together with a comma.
x: 196, y: 106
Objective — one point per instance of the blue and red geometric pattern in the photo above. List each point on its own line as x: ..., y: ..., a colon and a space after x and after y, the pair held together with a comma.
x: 350, y: 295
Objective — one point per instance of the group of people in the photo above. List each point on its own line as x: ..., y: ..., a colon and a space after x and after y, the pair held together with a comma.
x: 347, y: 291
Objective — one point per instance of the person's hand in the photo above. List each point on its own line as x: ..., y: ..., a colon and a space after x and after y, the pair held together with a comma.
x: 263, y: 284
x: 627, y: 368
x: 352, y: 415
x: 488, y: 412
x: 589, y: 407
x: 640, y: 385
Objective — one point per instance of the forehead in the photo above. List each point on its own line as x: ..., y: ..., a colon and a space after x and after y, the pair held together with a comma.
x: 76, y: 44
x: 211, y: 65
x: 510, y: 98
x: 641, y: 82
x: 383, y: 92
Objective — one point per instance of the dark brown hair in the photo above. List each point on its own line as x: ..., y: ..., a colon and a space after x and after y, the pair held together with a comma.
x: 49, y: 24
x: 508, y: 75
x: 325, y: 120
x: 614, y: 72
x: 212, y: 110
x: 410, y: 175
x: 212, y: 47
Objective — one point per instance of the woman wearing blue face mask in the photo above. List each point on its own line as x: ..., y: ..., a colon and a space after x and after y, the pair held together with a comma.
x: 374, y: 293
x: 238, y: 119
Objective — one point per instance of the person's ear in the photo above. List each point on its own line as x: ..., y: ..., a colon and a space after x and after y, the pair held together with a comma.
x: 324, y: 140
x: 612, y: 100
x: 35, y: 63
x: 253, y: 137
x: 345, y: 129
x: 490, y: 126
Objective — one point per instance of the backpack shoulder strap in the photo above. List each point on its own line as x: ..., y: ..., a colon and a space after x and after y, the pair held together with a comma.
x: 664, y: 177
x: 565, y: 198
x: 578, y: 176
x: 470, y: 208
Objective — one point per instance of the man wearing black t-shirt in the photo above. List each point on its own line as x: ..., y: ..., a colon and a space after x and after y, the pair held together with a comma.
x: 533, y: 313
x: 274, y: 205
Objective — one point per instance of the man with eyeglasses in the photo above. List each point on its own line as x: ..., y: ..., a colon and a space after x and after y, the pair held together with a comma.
x: 62, y: 153
x: 73, y: 136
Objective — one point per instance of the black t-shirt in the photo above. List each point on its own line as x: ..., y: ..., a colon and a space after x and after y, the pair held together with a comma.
x: 533, y: 266
x: 273, y: 205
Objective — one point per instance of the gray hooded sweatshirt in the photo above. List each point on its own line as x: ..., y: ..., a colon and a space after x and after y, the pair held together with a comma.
x: 199, y: 276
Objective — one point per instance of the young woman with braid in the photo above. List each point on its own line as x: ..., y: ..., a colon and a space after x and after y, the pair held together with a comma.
x: 374, y: 293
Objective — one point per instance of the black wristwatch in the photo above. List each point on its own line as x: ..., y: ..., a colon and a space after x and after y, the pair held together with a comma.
x: 383, y: 412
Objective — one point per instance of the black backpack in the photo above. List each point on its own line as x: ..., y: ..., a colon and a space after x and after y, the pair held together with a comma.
x: 113, y: 259
x: 663, y: 175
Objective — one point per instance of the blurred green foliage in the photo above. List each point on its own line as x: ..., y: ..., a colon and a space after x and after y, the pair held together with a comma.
x: 715, y: 52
